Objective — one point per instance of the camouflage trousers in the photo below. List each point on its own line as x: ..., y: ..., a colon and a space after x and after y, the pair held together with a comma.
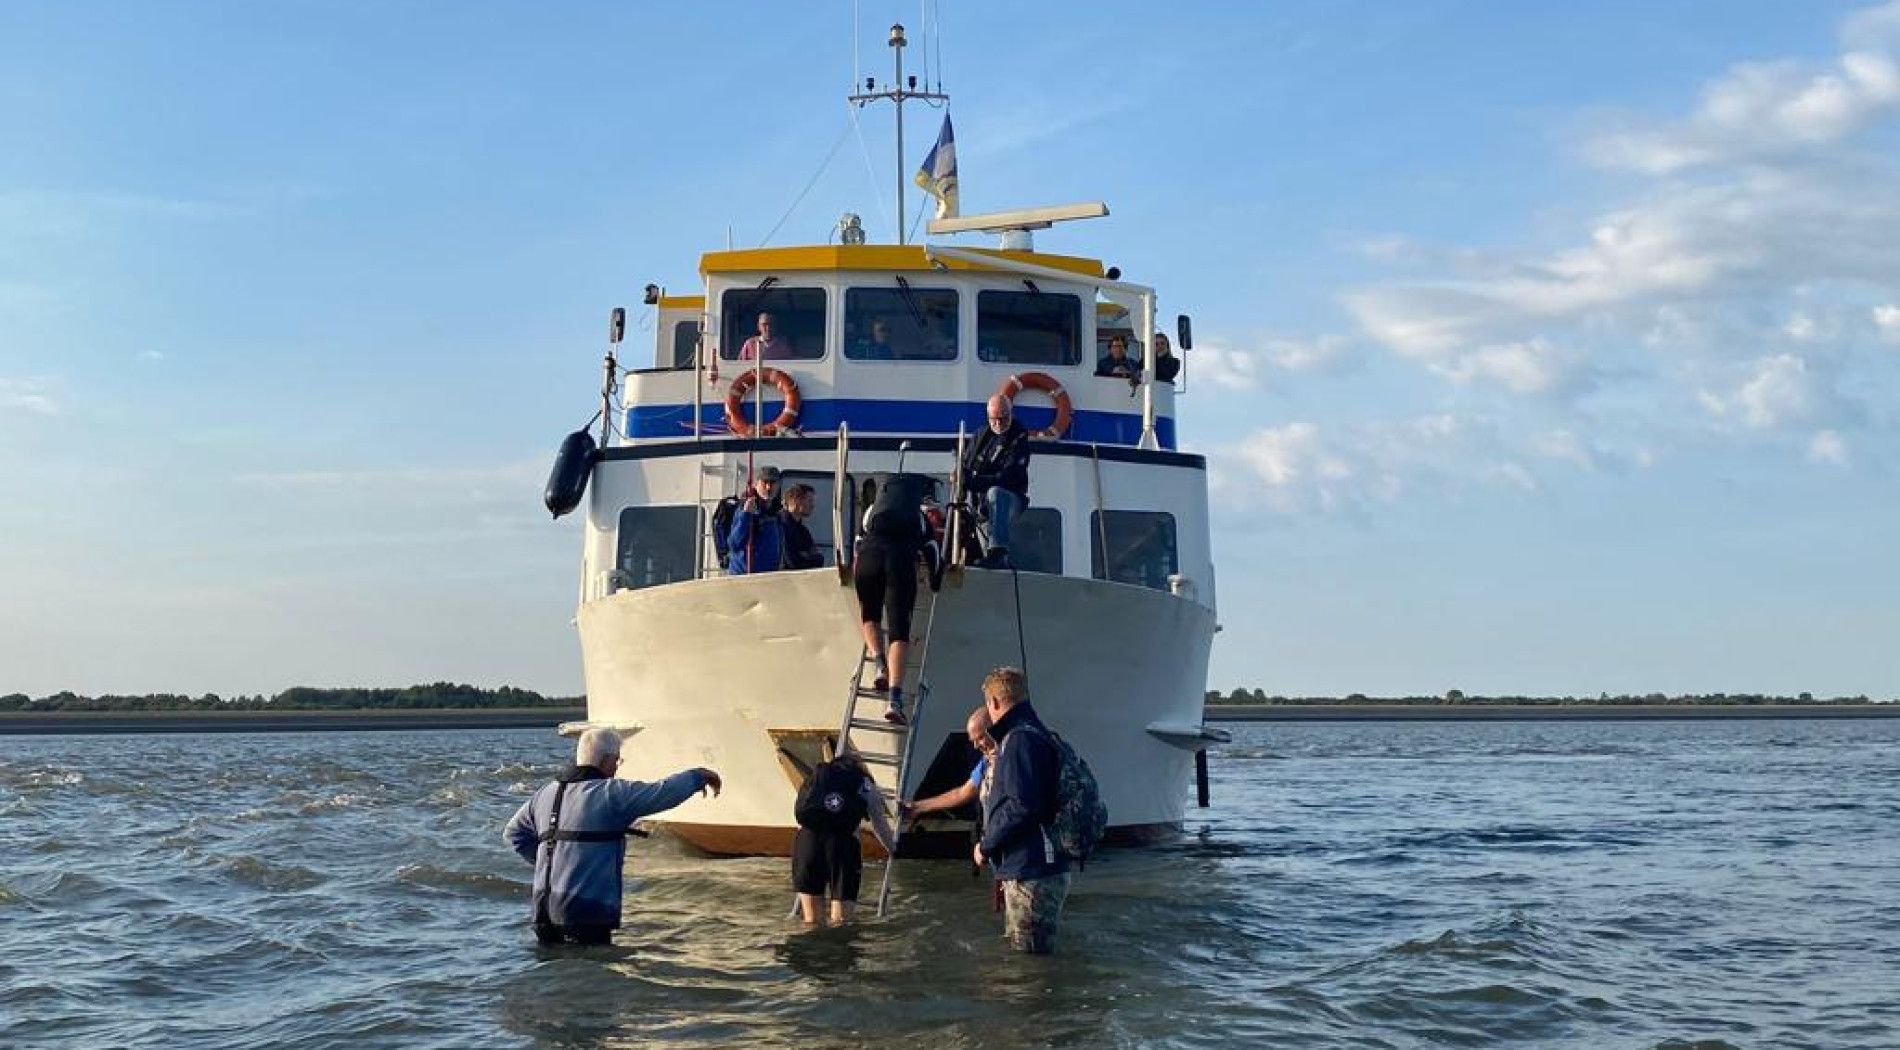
x: 1030, y: 910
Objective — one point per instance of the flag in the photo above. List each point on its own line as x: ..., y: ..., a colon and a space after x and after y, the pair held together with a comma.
x: 938, y: 175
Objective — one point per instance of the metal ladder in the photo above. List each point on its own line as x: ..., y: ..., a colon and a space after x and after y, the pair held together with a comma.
x: 890, y: 747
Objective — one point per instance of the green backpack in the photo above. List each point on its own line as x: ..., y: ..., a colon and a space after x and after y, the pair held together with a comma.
x: 1081, y: 818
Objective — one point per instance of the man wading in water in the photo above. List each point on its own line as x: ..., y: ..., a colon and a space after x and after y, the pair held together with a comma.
x: 574, y: 833
x: 1018, y: 807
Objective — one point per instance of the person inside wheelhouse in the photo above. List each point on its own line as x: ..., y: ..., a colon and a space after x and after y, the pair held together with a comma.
x: 1117, y: 364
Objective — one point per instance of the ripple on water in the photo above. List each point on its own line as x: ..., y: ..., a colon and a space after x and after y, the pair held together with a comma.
x: 480, y: 884
x: 1463, y: 885
x: 262, y: 874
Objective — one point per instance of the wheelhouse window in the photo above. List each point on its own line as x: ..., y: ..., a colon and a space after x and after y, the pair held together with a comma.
x: 1035, y: 540
x: 900, y: 324
x: 1141, y: 547
x: 1029, y: 328
x: 656, y: 546
x: 685, y: 341
x: 790, y: 322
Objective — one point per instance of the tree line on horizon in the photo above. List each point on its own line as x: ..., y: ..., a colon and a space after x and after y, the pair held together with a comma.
x: 1458, y: 696
x: 436, y: 695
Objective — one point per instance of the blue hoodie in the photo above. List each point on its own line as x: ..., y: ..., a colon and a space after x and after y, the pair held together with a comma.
x: 1022, y: 798
x: 577, y: 875
x: 768, y: 547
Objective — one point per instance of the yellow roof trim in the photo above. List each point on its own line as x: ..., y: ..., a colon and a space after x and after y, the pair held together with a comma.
x: 682, y: 302
x: 908, y: 257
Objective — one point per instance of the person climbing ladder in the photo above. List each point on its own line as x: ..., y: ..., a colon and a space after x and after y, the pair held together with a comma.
x: 885, y: 575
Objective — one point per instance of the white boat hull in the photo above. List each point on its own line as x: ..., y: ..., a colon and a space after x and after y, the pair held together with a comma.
x: 710, y: 669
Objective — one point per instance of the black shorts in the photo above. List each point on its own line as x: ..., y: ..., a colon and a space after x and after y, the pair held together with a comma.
x: 827, y: 865
x: 886, y: 579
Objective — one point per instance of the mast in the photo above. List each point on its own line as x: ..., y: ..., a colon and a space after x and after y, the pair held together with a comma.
x: 897, y: 93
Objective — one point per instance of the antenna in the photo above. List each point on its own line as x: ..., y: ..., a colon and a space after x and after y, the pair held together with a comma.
x: 1014, y: 226
x: 898, y: 92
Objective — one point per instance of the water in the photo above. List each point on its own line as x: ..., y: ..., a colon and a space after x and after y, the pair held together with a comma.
x: 1707, y: 884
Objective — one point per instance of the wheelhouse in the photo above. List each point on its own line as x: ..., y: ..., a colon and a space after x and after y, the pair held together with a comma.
x: 900, y: 347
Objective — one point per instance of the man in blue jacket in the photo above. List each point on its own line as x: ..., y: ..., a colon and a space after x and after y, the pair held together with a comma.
x: 1017, y: 811
x: 757, y: 540
x: 574, y: 833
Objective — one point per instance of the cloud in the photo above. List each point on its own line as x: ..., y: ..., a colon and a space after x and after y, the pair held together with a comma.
x: 1224, y: 366
x: 1327, y: 353
x: 1762, y: 110
x: 1779, y: 389
x: 1887, y: 321
x: 151, y: 355
x: 1534, y: 366
x: 28, y: 396
x: 1827, y: 446
x: 1304, y: 468
x: 1748, y: 268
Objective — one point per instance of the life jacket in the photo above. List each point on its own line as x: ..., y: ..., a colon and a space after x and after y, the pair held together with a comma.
x: 831, y: 800
x: 898, y: 512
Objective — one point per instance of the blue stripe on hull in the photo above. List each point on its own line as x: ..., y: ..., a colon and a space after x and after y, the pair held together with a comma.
x: 897, y: 417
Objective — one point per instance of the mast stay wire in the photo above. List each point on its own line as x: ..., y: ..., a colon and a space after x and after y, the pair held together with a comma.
x: 843, y: 134
x: 883, y: 208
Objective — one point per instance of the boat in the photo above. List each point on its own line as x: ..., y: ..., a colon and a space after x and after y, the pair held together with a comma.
x: 889, y: 354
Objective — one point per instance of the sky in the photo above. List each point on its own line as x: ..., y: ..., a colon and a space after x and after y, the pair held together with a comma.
x: 1545, y: 349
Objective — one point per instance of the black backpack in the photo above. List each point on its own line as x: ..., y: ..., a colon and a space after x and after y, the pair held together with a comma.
x: 722, y: 516
x: 898, y: 512
x: 831, y: 800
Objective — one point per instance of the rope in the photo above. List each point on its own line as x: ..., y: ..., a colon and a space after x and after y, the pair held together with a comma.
x: 1022, y: 649
x: 918, y: 221
x: 800, y: 199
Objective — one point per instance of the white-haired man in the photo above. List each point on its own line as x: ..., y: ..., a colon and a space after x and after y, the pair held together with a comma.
x: 573, y: 830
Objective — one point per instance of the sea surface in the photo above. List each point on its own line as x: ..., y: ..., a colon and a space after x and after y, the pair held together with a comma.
x: 1526, y: 884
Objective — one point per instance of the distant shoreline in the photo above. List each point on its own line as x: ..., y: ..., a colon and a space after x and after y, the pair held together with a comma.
x: 34, y: 723
x: 38, y: 723
x: 1535, y: 712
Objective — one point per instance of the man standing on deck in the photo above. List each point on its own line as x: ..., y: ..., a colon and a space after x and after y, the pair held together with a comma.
x: 1018, y: 808
x: 756, y: 542
x: 996, y: 474
x: 574, y: 830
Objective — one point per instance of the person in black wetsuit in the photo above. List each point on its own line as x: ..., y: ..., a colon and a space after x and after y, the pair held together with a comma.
x: 885, y: 574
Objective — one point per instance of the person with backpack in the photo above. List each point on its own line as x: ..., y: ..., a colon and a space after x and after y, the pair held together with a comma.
x: 574, y: 830
x: 827, y: 858
x: 1018, y: 810
x: 756, y: 541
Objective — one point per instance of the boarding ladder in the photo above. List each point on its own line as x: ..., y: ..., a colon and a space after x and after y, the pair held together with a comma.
x: 888, y: 748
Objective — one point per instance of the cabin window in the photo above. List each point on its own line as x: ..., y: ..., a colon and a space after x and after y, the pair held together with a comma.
x: 1035, y: 540
x: 819, y: 521
x: 1141, y: 547
x: 1029, y: 328
x: 896, y: 324
x: 656, y: 546
x: 685, y: 342
x: 795, y: 315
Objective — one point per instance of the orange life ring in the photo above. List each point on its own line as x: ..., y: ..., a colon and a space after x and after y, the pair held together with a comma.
x: 742, y: 385
x: 1046, y: 383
